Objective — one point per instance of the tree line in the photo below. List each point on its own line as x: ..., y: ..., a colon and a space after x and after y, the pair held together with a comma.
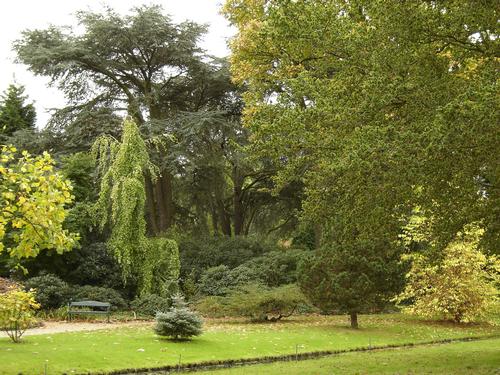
x: 365, y: 130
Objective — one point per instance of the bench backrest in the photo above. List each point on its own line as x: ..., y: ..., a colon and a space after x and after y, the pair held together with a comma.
x: 90, y: 304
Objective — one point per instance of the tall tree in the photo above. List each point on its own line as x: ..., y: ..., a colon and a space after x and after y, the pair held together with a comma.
x: 141, y: 63
x: 15, y: 114
x: 378, y: 107
x: 370, y: 97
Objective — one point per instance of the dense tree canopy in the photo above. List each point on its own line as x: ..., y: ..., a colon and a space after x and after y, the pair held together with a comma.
x: 378, y: 107
x: 145, y: 65
x: 342, y: 144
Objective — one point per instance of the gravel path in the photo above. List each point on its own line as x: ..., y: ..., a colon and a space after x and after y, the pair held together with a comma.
x: 58, y: 327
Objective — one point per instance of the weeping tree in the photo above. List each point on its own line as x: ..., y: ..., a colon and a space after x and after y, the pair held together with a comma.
x: 120, y: 209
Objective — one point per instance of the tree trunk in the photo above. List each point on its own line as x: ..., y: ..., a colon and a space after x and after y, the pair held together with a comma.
x: 168, y: 200
x: 215, y: 219
x: 164, y: 201
x: 160, y: 205
x: 151, y: 208
x: 225, y: 219
x: 354, y: 319
x: 238, y: 209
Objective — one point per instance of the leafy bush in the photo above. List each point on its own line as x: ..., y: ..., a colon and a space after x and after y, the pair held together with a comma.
x: 50, y: 291
x: 197, y: 255
x: 274, y: 268
x: 150, y: 304
x: 179, y: 321
x: 462, y: 287
x: 265, y: 304
x: 93, y: 265
x: 216, y: 281
x: 95, y: 293
x: 17, y: 312
x: 256, y: 302
x: 219, y: 280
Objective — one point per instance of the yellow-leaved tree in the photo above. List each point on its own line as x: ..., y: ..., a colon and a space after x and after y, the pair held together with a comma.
x: 17, y: 312
x: 462, y: 286
x: 32, y: 205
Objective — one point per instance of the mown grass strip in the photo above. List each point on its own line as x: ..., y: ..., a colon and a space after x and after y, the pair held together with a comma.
x: 228, y: 363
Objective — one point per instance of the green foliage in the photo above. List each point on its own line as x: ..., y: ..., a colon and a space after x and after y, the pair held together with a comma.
x: 150, y: 304
x: 161, y: 267
x: 122, y: 196
x: 32, y: 208
x: 377, y: 107
x: 351, y: 279
x: 93, y: 265
x: 274, y: 268
x: 79, y: 169
x: 219, y: 280
x: 14, y: 114
x: 179, y: 321
x: 95, y: 293
x: 256, y: 302
x: 50, y: 291
x: 17, y: 312
x: 121, y: 206
x: 215, y: 281
x: 199, y: 254
x: 304, y: 237
x: 462, y: 286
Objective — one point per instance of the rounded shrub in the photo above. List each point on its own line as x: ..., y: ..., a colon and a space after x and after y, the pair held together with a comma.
x: 199, y: 254
x: 50, y: 291
x: 216, y: 281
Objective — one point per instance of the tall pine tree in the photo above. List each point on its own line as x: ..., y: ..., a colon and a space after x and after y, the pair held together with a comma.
x: 14, y: 113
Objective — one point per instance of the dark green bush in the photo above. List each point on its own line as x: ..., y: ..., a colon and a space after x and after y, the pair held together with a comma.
x: 150, y: 304
x: 219, y: 280
x: 93, y: 265
x: 179, y: 321
x: 95, y: 293
x: 197, y: 255
x: 51, y: 291
x: 274, y: 268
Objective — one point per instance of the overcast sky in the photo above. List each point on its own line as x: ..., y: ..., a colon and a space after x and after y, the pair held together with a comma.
x: 18, y: 15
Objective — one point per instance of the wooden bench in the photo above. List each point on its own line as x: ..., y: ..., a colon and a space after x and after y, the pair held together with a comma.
x: 94, y: 307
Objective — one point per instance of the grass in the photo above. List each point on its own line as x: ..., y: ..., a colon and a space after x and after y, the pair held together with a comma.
x: 138, y: 347
x: 475, y: 357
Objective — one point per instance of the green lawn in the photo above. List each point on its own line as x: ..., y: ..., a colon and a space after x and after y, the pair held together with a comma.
x: 139, y: 347
x: 476, y: 357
